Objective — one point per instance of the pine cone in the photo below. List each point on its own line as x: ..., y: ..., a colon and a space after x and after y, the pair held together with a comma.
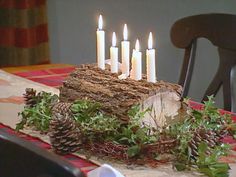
x: 30, y: 97
x: 223, y: 132
x: 61, y: 108
x: 64, y: 134
x: 202, y: 135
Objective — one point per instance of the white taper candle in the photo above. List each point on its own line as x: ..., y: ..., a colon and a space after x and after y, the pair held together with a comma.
x: 125, y: 50
x: 100, y: 44
x: 136, y: 63
x: 114, y: 54
x: 151, y: 65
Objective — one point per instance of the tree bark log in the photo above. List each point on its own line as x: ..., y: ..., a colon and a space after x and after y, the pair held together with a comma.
x: 117, y: 96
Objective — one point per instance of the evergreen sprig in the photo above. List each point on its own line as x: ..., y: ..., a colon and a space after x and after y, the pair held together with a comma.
x: 97, y: 126
x: 209, y: 164
x: 135, y: 134
x: 39, y: 115
x: 84, y: 109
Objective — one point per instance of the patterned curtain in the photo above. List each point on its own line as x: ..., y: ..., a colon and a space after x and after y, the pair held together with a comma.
x: 23, y: 32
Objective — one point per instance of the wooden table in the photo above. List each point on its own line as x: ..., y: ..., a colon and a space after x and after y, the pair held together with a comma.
x: 18, y: 69
x: 42, y: 77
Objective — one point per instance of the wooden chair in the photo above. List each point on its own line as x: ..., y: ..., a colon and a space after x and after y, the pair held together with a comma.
x: 220, y: 29
x: 20, y: 158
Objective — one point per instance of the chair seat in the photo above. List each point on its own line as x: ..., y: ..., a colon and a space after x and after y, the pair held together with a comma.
x: 20, y: 158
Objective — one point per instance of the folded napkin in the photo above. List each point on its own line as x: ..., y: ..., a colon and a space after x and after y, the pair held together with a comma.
x: 105, y: 171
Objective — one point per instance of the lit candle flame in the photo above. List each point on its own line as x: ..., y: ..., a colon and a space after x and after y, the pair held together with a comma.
x: 100, y: 22
x: 137, y: 45
x: 150, y: 41
x: 113, y: 39
x: 125, y: 33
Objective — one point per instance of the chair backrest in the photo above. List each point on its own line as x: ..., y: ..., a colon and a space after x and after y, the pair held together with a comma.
x: 21, y: 158
x: 220, y: 29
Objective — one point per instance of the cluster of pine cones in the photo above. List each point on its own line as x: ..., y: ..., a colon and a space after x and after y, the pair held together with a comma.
x: 63, y: 132
x: 210, y: 137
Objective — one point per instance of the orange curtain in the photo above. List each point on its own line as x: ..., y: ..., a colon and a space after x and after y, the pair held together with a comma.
x: 23, y: 32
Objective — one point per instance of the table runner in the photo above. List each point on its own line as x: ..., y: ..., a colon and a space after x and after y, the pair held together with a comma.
x: 54, y: 77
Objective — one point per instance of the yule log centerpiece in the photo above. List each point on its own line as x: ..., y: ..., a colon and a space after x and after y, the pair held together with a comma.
x: 117, y: 96
x: 132, y: 121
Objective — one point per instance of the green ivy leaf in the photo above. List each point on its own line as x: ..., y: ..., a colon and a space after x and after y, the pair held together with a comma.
x: 180, y: 166
x: 133, y: 151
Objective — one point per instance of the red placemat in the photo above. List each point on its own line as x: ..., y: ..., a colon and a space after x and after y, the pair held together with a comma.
x: 50, y: 77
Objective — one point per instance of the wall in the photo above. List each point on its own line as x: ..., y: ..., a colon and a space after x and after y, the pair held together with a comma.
x: 72, y: 26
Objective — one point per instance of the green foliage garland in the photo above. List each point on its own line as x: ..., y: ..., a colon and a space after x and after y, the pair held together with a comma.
x: 95, y: 126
